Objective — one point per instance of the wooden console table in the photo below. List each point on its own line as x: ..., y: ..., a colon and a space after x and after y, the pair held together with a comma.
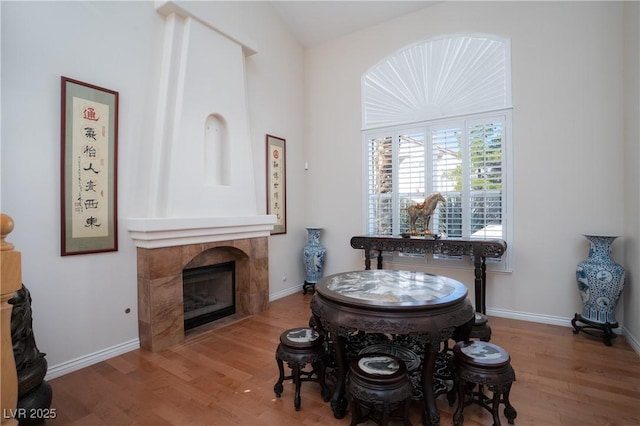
x: 479, y: 249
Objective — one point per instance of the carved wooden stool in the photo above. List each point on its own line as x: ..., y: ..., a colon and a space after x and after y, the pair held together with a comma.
x: 481, y: 329
x: 299, y: 347
x: 380, y: 383
x: 483, y: 364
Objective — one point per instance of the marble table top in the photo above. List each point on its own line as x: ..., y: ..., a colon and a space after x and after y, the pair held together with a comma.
x: 391, y: 287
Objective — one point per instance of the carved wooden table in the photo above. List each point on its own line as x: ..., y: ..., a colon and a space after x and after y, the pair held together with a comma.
x: 479, y: 249
x: 430, y: 307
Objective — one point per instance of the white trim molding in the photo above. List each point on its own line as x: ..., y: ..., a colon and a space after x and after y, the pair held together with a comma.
x: 90, y: 359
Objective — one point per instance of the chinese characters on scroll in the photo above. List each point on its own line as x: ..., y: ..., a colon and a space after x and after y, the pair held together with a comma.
x: 89, y: 137
x: 90, y: 190
x: 276, y: 183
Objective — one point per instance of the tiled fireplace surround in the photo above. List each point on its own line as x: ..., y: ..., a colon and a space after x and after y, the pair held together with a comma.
x: 160, y: 310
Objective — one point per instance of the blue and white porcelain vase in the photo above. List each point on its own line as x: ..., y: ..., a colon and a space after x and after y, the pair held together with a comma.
x: 314, y: 255
x: 600, y: 281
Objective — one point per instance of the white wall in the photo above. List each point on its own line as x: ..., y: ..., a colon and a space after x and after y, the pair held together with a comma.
x: 632, y: 166
x: 567, y: 71
x: 79, y: 302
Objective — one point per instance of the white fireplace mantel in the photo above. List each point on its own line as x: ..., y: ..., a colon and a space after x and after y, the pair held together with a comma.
x: 169, y: 232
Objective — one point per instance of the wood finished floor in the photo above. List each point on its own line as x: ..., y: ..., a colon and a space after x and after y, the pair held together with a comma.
x: 225, y: 376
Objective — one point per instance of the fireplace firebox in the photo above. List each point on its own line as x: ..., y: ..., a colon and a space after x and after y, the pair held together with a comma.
x: 209, y: 293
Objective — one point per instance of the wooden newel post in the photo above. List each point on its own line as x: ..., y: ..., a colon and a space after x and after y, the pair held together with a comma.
x: 10, y: 282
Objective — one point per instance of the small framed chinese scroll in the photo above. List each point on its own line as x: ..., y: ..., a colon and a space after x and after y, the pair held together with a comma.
x: 277, y: 183
x: 89, y: 149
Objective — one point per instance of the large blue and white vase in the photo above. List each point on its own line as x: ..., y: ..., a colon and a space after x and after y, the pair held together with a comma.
x: 600, y: 281
x: 314, y: 255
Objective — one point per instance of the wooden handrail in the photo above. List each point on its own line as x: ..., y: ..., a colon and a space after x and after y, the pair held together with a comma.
x: 10, y: 282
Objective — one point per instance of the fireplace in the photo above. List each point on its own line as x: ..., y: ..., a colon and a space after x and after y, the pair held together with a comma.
x: 208, y: 293
x: 195, y: 202
x: 161, y: 322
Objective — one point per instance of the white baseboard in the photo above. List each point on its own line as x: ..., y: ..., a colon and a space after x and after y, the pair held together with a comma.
x: 561, y: 321
x: 633, y: 342
x: 284, y: 293
x: 94, y: 358
x: 525, y: 316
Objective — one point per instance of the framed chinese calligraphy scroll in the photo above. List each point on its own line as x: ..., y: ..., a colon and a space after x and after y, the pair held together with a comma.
x: 277, y: 183
x: 89, y: 147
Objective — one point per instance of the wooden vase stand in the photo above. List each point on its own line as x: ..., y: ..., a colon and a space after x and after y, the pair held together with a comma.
x: 604, y: 330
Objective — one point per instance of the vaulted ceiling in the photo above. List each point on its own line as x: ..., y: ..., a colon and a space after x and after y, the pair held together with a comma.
x: 314, y: 22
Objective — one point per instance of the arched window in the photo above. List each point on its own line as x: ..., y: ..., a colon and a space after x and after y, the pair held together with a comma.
x: 437, y: 119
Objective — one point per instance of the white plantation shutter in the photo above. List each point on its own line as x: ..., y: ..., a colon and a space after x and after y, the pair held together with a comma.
x: 441, y: 77
x: 446, y: 157
x: 411, y: 175
x: 381, y: 205
x: 463, y: 162
x: 453, y: 96
x: 485, y: 139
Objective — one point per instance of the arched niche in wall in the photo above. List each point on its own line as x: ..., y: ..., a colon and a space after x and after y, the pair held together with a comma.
x: 216, y: 151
